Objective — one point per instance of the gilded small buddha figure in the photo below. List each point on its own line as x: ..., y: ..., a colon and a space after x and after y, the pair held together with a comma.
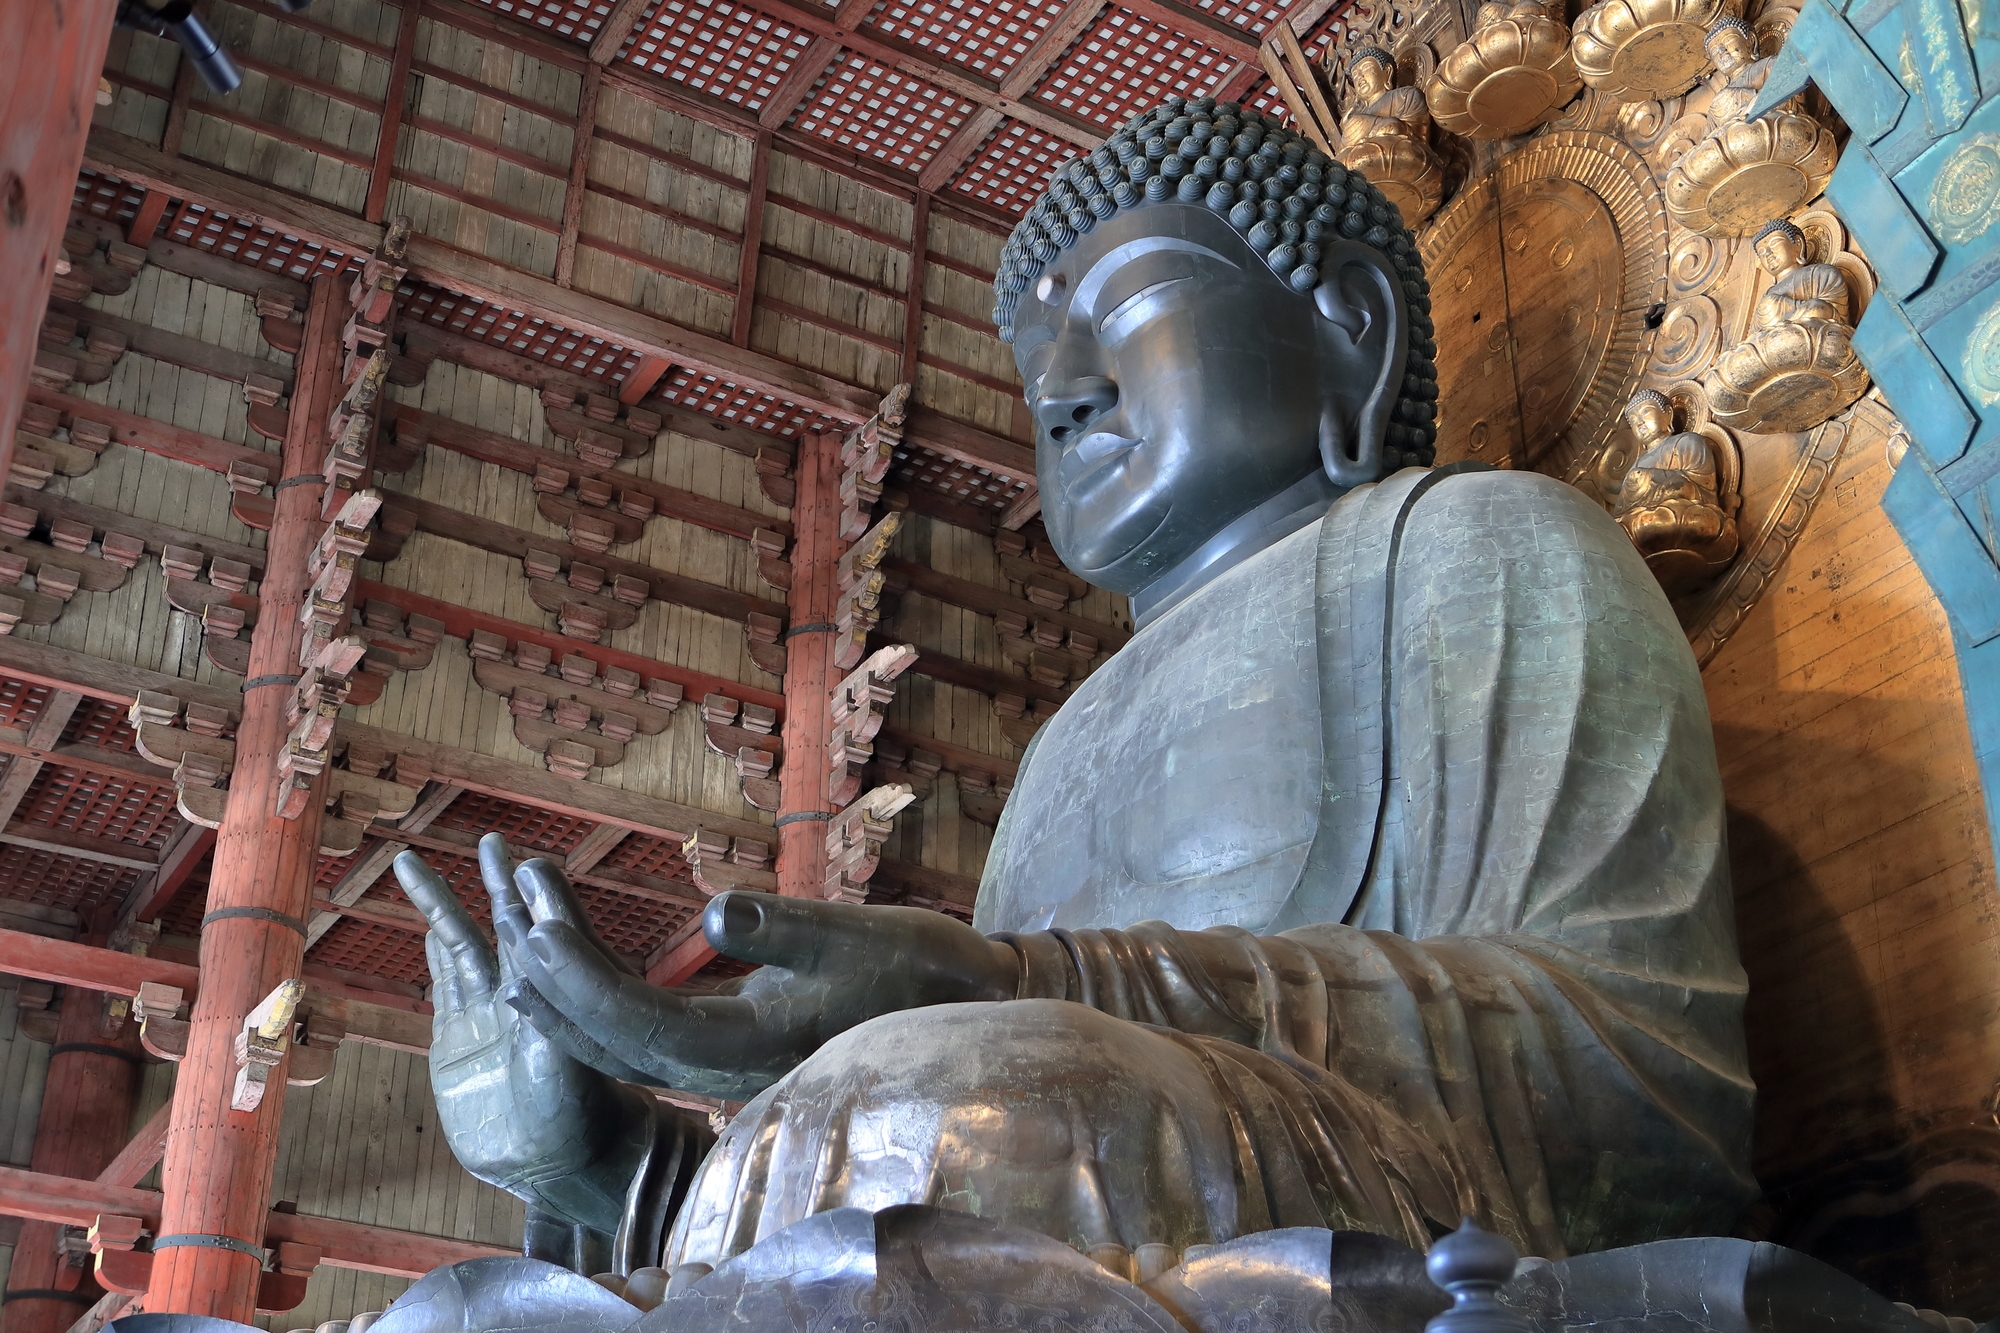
x: 1514, y: 72
x: 1385, y: 135
x: 1798, y: 366
x: 1636, y: 50
x: 1746, y: 171
x: 1673, y: 503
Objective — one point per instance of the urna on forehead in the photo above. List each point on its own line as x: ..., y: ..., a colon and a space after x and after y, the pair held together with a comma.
x: 1287, y: 199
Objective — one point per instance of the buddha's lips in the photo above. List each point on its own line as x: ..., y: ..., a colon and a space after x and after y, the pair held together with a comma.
x: 1091, y: 455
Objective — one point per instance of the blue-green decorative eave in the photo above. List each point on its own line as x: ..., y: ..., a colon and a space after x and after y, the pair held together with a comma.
x: 1919, y: 188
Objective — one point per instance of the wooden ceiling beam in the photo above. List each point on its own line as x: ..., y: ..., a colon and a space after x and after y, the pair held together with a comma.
x: 752, y: 242
x: 61, y: 842
x: 579, y: 174
x: 151, y: 896
x: 375, y: 858
x: 371, y: 1249
x: 1033, y: 66
x: 618, y: 25
x: 648, y: 815
x: 43, y: 734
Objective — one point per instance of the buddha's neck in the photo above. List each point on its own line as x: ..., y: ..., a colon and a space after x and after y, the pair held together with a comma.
x: 1268, y: 524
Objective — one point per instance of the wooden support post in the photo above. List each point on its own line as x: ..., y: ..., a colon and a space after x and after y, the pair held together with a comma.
x: 397, y: 93
x: 753, y: 240
x: 217, y: 1173
x: 804, y: 807
x: 49, y: 66
x: 146, y: 221
x: 913, y: 310
x: 86, y: 1112
x: 642, y: 379
x: 579, y: 179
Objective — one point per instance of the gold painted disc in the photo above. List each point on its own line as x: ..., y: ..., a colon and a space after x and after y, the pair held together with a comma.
x: 1660, y: 61
x: 1801, y: 396
x: 1752, y: 195
x: 1512, y: 101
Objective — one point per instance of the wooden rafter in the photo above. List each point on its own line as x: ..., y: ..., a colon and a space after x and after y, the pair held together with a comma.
x: 1035, y: 63
x: 395, y: 97
x: 579, y: 175
x: 618, y: 25
x: 913, y: 290
x: 753, y: 240
x: 43, y: 734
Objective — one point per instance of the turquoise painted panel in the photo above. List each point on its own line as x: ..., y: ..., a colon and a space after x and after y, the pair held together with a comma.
x: 1917, y: 387
x: 1939, y: 46
x: 1966, y: 343
x: 1954, y: 561
x: 1890, y: 233
x: 1823, y: 49
x: 1954, y: 188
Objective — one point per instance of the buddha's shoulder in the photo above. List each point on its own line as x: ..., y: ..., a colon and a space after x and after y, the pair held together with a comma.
x: 1478, y: 506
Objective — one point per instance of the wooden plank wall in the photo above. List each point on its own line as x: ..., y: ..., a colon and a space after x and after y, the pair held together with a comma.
x: 364, y: 1146
x: 1866, y: 901
x: 24, y: 1063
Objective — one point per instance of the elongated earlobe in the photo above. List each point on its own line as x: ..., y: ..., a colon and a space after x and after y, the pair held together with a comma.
x: 1349, y: 459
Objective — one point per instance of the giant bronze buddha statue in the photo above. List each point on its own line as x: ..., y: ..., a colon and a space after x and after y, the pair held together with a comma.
x: 1379, y: 880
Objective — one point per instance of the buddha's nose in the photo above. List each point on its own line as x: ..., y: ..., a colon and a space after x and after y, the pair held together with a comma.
x: 1066, y: 410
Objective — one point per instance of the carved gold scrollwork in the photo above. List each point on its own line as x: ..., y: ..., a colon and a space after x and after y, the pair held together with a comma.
x: 1697, y: 262
x: 1688, y: 338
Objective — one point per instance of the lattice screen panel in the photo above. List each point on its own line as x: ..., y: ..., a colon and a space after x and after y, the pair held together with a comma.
x: 1128, y: 63
x: 107, y: 196
x: 516, y: 332
x: 1010, y: 171
x: 98, y: 805
x: 917, y: 465
x: 861, y: 105
x: 649, y: 856
x: 249, y: 243
x: 69, y: 882
x: 577, y: 20
x: 719, y: 48
x: 528, y: 830
x: 1255, y: 17
x: 746, y: 407
x: 987, y: 37
x: 20, y: 702
x: 1264, y: 97
x: 102, y: 723
x: 379, y: 951
x: 632, y: 926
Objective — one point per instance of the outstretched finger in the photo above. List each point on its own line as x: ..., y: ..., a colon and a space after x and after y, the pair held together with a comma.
x: 671, y: 1038
x: 551, y: 897
x: 797, y: 933
x: 522, y: 997
x: 447, y: 995
x: 511, y: 921
x: 452, y: 924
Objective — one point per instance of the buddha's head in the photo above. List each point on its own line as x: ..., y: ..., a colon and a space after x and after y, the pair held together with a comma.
x: 1731, y: 44
x: 1206, y: 314
x: 1372, y: 72
x: 1778, y: 246
x: 1649, y: 416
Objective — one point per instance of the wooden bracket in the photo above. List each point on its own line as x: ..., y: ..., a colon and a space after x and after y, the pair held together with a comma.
x: 577, y: 720
x: 854, y: 841
x: 262, y: 1043
x: 856, y: 711
x: 604, y: 432
x: 746, y: 733
x: 719, y: 863
x: 163, y: 1030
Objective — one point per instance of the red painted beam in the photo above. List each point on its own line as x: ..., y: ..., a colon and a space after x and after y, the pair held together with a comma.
x: 142, y: 1153
x: 49, y: 67
x: 70, y: 964
x: 642, y: 379
x: 396, y: 94
x: 370, y: 1249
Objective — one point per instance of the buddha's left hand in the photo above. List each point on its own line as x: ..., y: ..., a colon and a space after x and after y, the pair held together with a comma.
x: 828, y: 966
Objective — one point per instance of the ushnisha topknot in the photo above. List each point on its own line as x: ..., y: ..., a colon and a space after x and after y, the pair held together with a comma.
x: 1730, y: 23
x: 1281, y: 193
x: 1379, y: 55
x: 1775, y: 225
x: 1647, y: 398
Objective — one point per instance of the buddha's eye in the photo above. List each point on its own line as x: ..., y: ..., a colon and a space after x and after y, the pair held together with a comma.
x: 1133, y: 310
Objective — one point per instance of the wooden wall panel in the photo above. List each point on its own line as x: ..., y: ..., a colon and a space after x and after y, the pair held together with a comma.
x: 533, y: 189
x: 24, y: 1064
x: 1866, y: 901
x: 364, y: 1146
x: 139, y: 112
x: 978, y: 348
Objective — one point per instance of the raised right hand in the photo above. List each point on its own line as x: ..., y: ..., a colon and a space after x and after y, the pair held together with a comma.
x: 519, y: 1111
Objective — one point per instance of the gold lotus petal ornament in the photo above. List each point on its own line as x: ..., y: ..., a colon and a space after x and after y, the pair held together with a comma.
x: 1641, y: 50
x: 1407, y: 173
x: 1512, y: 74
x: 1747, y: 172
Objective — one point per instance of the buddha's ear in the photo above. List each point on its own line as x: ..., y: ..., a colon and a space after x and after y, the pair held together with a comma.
x: 1364, y: 331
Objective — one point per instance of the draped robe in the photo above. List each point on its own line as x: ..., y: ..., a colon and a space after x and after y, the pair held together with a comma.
x: 1380, y: 882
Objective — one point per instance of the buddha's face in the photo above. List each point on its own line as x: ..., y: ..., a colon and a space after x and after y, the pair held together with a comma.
x: 1778, y: 252
x: 1649, y: 421
x: 1371, y: 80
x: 1177, y: 383
x: 1731, y: 50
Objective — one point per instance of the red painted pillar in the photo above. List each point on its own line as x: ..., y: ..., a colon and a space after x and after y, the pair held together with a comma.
x: 810, y: 674
x: 49, y: 68
x: 217, y: 1172
x: 86, y: 1115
